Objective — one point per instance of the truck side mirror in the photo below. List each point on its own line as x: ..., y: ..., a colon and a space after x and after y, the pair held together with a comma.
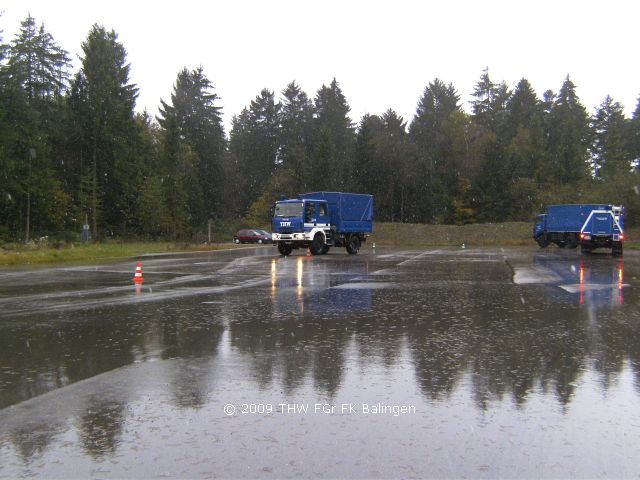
x: 271, y: 212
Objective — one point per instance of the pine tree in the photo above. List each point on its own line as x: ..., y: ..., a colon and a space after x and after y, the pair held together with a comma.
x: 264, y: 140
x: 610, y: 153
x: 199, y: 123
x: 524, y: 133
x: 567, y: 137
x: 490, y: 107
x: 490, y: 131
x: 336, y: 142
x: 382, y: 164
x: 34, y: 79
x: 255, y: 147
x: 177, y: 175
x: 104, y: 102
x: 8, y: 182
x: 391, y: 167
x: 438, y: 133
x: 366, y: 178
x: 237, y: 197
x: 297, y: 136
x: 37, y: 63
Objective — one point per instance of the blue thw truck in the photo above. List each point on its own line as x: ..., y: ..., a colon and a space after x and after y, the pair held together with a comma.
x: 321, y: 220
x: 589, y: 225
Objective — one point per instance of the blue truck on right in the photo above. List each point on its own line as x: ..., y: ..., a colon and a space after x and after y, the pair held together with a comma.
x: 589, y: 225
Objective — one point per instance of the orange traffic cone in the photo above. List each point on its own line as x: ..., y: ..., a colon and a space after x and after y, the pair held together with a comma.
x: 138, y: 278
x: 308, y: 252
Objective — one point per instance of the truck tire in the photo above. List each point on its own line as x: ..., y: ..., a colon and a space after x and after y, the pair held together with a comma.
x: 317, y: 245
x: 325, y: 249
x: 543, y: 241
x: 586, y: 247
x: 616, y: 249
x: 570, y: 240
x: 353, y: 246
x: 284, y: 249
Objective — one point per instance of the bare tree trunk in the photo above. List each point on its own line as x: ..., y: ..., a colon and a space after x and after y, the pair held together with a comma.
x: 26, y: 237
x: 94, y: 190
x: 32, y: 155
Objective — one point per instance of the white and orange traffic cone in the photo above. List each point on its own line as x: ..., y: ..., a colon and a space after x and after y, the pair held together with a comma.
x: 138, y: 278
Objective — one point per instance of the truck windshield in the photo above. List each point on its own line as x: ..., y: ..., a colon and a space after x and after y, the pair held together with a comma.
x: 288, y: 209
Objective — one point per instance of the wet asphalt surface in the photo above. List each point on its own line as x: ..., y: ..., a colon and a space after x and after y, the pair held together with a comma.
x: 448, y: 363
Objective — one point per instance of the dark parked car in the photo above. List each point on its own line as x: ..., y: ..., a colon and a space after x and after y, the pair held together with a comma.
x: 252, y: 236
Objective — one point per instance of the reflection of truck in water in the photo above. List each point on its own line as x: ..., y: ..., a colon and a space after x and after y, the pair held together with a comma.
x: 321, y: 220
x: 297, y: 288
x: 589, y: 225
x: 585, y: 281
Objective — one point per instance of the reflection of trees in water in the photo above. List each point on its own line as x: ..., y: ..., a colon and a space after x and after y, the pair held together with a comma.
x: 439, y: 337
x: 89, y: 343
x: 509, y: 348
x: 634, y: 347
x: 191, y: 334
x: 616, y: 343
x: 40, y: 356
x: 379, y: 338
x: 100, y: 427
x: 191, y: 382
x: 288, y: 347
x: 329, y: 362
x: 31, y: 440
x: 508, y: 345
x: 519, y: 354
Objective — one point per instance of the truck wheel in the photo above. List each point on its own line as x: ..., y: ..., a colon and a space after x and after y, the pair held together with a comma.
x: 325, y: 249
x: 317, y: 245
x: 284, y: 249
x: 354, y: 245
x: 571, y: 240
x: 543, y: 241
x: 616, y: 250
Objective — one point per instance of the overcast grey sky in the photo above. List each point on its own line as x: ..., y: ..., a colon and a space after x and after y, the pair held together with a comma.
x: 383, y: 54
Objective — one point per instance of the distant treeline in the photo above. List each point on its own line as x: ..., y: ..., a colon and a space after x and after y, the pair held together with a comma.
x: 73, y: 150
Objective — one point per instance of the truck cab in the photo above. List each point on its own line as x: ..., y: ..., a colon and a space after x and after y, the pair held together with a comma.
x: 301, y: 222
x: 539, y: 228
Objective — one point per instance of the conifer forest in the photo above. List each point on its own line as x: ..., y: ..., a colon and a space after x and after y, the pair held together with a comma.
x: 74, y: 151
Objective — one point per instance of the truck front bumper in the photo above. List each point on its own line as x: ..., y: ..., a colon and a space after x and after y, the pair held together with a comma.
x: 289, y: 237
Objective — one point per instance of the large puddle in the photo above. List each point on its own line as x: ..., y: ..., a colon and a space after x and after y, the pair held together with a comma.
x: 478, y: 363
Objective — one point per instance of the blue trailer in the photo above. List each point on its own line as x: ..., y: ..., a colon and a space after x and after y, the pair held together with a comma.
x: 321, y: 220
x: 588, y: 225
